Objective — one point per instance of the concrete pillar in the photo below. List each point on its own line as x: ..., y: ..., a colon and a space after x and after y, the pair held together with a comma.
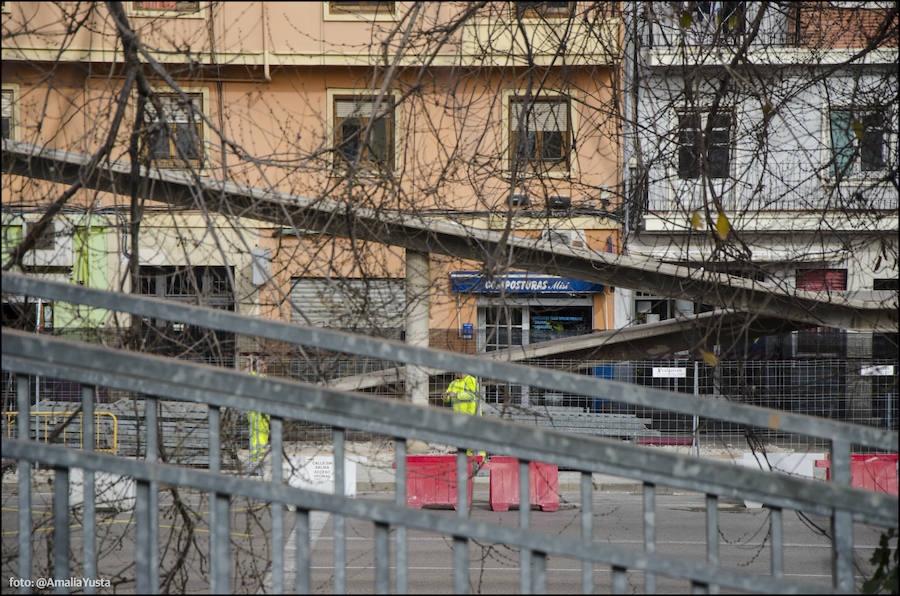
x: 418, y: 286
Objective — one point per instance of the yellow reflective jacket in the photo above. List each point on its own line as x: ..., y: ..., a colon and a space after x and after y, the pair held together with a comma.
x: 464, y: 395
x: 259, y: 431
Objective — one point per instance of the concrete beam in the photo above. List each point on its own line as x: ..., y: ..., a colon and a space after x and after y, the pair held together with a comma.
x: 427, y: 234
x: 638, y: 342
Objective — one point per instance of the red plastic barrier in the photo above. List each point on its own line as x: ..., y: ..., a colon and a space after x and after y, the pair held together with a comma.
x: 431, y: 480
x: 543, y: 480
x: 876, y: 472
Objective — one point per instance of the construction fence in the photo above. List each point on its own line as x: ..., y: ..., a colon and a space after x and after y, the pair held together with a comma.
x: 849, y: 390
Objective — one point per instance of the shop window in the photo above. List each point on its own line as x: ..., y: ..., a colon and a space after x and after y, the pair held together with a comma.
x: 503, y: 327
x: 539, y: 134
x: 857, y: 142
x: 652, y: 309
x: 174, y: 138
x: 700, y: 153
x: 543, y: 10
x: 821, y: 341
x: 364, y: 132
x: 551, y: 322
x: 884, y: 345
x: 191, y: 285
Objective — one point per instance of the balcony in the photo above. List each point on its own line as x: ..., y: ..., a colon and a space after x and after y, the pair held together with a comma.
x: 783, y: 187
x: 712, y: 32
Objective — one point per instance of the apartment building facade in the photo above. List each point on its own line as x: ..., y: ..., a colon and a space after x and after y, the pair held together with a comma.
x: 763, y: 143
x: 496, y: 116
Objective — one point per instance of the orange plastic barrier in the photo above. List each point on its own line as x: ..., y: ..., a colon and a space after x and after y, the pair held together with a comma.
x: 876, y: 472
x: 431, y: 480
x: 543, y: 482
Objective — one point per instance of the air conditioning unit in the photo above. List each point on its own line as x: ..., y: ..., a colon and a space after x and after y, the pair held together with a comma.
x: 53, y: 248
x: 573, y: 238
x: 519, y: 199
x: 558, y: 202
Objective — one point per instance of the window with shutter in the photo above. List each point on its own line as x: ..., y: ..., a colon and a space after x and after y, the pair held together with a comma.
x: 539, y: 134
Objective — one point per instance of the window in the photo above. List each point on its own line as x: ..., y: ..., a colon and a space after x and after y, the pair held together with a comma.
x: 205, y: 285
x: 7, y: 109
x: 693, y: 138
x: 167, y: 6
x: 361, y: 6
x: 543, y: 10
x: 539, y: 134
x: 712, y: 22
x: 652, y: 309
x: 364, y: 133
x: 176, y: 144
x: 857, y: 141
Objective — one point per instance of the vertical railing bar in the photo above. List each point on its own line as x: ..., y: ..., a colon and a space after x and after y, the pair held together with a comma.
x: 24, y: 469
x: 301, y: 529
x: 213, y: 464
x: 538, y: 565
x: 618, y: 580
x: 277, y: 509
x: 712, y: 536
x: 142, y: 546
x: 340, y: 546
x: 587, y: 530
x: 461, y: 544
x: 524, y: 523
x: 382, y: 559
x: 776, y: 538
x: 841, y: 521
x: 219, y: 525
x: 89, y: 530
x: 61, y: 528
x: 649, y: 533
x: 400, y: 489
x: 151, y: 405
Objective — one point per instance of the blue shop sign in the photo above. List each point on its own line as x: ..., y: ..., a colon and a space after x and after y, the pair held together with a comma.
x: 519, y: 283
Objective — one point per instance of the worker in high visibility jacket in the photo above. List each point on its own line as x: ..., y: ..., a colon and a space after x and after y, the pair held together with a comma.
x: 258, y: 422
x: 464, y: 394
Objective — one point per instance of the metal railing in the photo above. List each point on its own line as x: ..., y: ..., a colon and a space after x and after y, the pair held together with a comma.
x: 61, y: 421
x: 159, y: 377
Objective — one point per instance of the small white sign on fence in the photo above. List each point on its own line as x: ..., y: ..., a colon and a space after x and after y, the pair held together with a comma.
x: 882, y: 370
x: 669, y: 372
x: 316, y: 472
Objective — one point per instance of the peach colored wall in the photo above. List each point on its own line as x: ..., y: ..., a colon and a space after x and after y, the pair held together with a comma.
x: 286, y: 118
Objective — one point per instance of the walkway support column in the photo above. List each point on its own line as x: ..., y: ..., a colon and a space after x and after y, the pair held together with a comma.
x: 418, y: 286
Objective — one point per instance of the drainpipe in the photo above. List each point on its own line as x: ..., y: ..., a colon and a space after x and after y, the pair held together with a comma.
x: 265, y: 44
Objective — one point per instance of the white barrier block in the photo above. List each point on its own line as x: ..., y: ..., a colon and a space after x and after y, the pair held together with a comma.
x: 794, y: 464
x: 110, y: 490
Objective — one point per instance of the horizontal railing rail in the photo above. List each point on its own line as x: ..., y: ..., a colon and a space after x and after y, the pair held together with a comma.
x: 27, y: 353
x: 396, y: 351
x: 159, y: 377
x: 396, y: 515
